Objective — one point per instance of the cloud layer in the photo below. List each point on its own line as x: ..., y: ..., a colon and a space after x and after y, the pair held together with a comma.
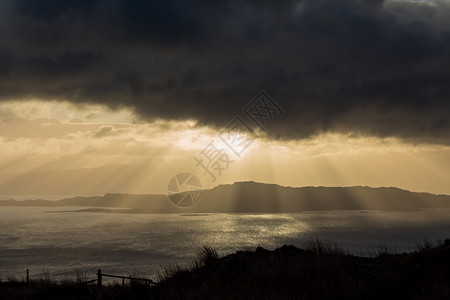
x: 61, y: 148
x: 372, y: 67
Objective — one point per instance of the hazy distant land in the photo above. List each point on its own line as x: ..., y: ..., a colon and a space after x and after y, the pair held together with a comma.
x: 252, y: 197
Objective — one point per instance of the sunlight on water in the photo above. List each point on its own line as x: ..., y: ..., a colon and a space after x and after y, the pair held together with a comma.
x: 64, y: 242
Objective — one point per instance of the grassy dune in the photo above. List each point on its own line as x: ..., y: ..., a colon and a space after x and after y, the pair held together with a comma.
x: 320, y: 270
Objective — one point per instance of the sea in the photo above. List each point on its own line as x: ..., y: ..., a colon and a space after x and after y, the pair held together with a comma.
x: 60, y: 243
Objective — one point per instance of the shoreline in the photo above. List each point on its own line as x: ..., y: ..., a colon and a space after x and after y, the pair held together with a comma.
x: 316, y: 271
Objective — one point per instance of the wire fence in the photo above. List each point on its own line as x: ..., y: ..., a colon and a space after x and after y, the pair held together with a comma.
x: 100, y: 277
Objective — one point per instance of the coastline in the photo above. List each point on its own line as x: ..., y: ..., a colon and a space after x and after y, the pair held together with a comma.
x: 320, y: 270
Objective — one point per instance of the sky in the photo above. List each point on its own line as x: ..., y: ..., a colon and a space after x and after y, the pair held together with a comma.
x: 119, y: 96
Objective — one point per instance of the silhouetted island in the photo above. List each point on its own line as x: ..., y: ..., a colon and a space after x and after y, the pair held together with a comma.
x: 253, y: 197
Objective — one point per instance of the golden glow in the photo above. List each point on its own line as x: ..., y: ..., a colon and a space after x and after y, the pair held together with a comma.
x: 60, y: 148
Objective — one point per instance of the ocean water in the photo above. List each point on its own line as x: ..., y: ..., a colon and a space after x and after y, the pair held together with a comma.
x: 62, y: 244
x: 36, y: 197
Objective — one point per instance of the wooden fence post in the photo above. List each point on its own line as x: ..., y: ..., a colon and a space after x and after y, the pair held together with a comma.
x: 99, y: 278
x: 28, y: 276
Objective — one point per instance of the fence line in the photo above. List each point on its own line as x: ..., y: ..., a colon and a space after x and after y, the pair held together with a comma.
x: 100, y: 276
x: 90, y: 281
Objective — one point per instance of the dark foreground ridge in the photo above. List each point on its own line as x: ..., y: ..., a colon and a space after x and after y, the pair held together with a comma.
x: 253, y: 197
x: 319, y: 271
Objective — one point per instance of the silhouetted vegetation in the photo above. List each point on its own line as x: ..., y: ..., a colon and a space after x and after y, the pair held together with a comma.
x: 321, y: 270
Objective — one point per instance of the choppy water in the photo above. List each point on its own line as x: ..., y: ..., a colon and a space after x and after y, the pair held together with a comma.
x: 62, y: 243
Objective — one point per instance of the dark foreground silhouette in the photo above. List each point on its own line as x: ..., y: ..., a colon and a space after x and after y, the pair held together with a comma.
x: 319, y: 271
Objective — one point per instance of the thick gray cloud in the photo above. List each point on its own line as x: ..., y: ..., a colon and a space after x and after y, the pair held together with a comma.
x: 361, y: 66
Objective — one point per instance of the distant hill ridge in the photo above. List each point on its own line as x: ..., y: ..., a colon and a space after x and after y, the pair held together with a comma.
x: 253, y: 197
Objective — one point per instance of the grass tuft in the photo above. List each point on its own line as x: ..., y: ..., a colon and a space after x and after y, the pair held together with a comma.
x: 207, y: 256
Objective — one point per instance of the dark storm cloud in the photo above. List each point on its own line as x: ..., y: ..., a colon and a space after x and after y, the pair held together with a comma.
x: 369, y: 67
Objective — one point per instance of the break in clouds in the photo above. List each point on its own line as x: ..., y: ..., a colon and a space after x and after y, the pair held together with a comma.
x: 378, y: 68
